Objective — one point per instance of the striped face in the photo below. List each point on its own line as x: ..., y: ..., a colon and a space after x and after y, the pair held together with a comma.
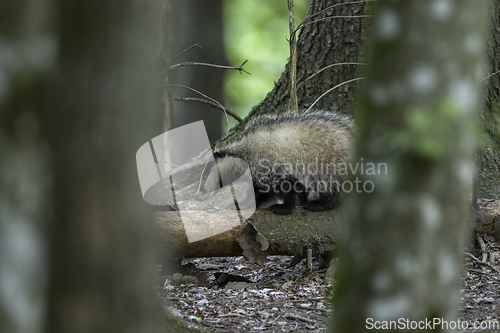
x: 221, y: 172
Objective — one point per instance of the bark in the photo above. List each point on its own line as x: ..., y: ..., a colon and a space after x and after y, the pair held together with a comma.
x: 106, y: 105
x: 488, y: 217
x: 403, y: 249
x: 319, y: 45
x: 27, y: 58
x: 489, y: 145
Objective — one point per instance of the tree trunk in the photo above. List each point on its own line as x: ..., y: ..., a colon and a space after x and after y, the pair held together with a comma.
x: 489, y: 145
x: 27, y: 57
x: 107, y: 105
x: 337, y: 40
x: 405, y: 239
x: 198, y: 22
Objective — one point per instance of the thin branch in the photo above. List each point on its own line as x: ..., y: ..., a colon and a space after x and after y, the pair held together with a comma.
x: 329, y: 17
x: 297, y: 317
x: 293, y: 103
x: 497, y: 72
x: 484, y: 251
x: 327, y: 8
x: 190, y: 63
x: 331, y: 89
x: 484, y: 263
x: 205, y: 101
x: 329, y: 66
x: 186, y: 50
x: 477, y: 271
x: 210, y: 98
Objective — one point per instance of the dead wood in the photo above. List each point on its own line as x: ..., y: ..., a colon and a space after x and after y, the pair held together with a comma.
x: 488, y: 217
x: 275, y: 234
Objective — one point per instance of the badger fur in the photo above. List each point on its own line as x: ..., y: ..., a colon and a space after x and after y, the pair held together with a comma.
x: 294, y: 160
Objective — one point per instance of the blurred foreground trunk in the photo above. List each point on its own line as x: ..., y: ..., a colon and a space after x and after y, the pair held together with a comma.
x: 107, y: 105
x: 27, y: 57
x: 403, y: 254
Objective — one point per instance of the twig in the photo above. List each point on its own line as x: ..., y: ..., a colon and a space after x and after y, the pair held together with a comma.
x: 212, y: 104
x: 191, y: 63
x: 476, y: 271
x: 296, y: 317
x: 210, y: 98
x: 309, y: 259
x: 331, y: 89
x: 186, y: 50
x: 484, y: 263
x: 324, y: 68
x: 497, y: 72
x: 327, y: 8
x: 230, y: 314
x: 330, y: 17
x: 293, y: 104
x: 484, y: 251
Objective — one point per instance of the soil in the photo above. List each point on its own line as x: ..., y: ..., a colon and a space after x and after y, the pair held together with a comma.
x: 234, y: 296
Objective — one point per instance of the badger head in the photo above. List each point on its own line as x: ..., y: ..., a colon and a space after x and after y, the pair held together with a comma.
x: 223, y: 171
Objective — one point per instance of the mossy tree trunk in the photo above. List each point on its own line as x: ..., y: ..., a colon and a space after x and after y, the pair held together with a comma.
x: 403, y: 252
x: 489, y: 144
x: 106, y: 104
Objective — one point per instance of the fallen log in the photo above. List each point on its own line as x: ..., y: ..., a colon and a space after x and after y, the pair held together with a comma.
x: 273, y: 234
x: 265, y: 233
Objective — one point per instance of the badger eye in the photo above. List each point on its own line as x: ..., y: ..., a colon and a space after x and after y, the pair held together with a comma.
x: 218, y: 154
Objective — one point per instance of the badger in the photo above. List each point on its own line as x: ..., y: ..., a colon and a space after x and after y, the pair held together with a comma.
x: 294, y: 159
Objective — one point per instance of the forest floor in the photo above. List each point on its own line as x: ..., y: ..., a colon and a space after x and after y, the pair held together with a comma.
x: 234, y: 296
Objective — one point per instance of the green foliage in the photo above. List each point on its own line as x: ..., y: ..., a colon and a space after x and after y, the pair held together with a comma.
x: 256, y: 31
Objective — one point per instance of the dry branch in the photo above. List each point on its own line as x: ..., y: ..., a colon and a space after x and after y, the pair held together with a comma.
x: 330, y: 17
x: 325, y: 68
x: 205, y: 101
x: 293, y: 104
x: 210, y: 98
x: 186, y: 50
x: 192, y: 63
x: 484, y: 263
x: 332, y: 89
x: 324, y: 10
